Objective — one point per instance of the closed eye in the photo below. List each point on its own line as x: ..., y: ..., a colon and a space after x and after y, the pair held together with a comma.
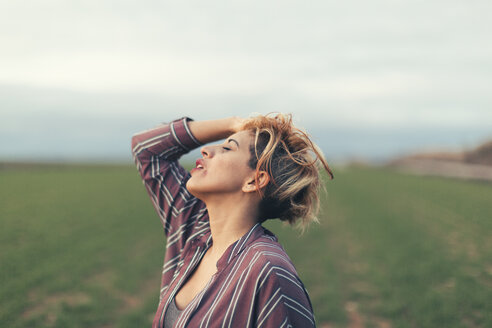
x: 226, y: 148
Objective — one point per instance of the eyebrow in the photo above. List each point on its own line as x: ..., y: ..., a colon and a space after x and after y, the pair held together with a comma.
x: 234, y: 141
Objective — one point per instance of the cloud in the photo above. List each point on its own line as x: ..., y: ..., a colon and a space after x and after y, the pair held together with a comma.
x: 386, y: 65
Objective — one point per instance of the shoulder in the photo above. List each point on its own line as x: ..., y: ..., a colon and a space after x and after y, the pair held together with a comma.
x: 280, y: 295
x: 272, y: 264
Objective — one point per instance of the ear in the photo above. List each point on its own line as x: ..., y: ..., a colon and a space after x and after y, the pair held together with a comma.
x: 263, y: 179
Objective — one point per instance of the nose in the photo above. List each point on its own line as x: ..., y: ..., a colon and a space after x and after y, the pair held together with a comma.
x: 205, y: 151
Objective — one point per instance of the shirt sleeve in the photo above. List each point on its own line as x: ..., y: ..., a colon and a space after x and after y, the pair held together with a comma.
x: 282, y: 300
x: 156, y: 152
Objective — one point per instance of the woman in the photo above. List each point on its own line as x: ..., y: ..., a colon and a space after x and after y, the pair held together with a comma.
x: 222, y: 268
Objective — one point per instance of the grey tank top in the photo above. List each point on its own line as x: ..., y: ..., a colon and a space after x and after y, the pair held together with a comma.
x: 172, y: 313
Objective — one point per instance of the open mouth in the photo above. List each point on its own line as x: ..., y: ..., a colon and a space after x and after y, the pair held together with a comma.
x: 199, y: 165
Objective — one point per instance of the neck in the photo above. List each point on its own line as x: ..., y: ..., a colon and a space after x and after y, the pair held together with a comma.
x: 231, y: 217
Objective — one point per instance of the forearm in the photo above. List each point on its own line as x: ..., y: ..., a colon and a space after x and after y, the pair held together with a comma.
x: 168, y: 141
x: 212, y: 130
x: 156, y: 152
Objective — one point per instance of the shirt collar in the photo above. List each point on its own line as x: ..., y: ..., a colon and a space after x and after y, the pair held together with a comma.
x: 237, y: 247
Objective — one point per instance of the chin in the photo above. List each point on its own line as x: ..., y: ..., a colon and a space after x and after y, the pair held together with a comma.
x: 189, y: 186
x: 191, y: 189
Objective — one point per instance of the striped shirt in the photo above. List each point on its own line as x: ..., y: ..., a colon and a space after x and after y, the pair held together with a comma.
x: 256, y: 283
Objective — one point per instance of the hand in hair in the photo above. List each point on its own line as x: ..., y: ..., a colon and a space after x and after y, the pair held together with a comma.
x: 238, y: 123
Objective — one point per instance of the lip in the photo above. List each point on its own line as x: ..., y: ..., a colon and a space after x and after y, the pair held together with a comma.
x: 199, y: 162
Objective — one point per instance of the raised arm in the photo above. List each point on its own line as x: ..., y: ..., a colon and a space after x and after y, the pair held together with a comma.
x: 156, y: 152
x: 213, y: 130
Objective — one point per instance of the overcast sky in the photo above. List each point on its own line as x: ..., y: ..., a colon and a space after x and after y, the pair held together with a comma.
x: 365, y: 78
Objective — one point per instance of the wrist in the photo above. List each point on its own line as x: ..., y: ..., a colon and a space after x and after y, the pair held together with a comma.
x: 236, y: 123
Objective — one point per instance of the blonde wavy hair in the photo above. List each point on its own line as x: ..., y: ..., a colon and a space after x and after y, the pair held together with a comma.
x: 293, y: 163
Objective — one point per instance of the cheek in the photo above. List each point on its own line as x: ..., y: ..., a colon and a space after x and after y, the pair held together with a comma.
x: 225, y: 174
x: 221, y: 178
x: 231, y: 171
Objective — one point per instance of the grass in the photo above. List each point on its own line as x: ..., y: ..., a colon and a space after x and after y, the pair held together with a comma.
x: 83, y: 247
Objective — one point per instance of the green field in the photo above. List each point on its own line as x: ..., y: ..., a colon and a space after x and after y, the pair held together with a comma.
x: 83, y: 247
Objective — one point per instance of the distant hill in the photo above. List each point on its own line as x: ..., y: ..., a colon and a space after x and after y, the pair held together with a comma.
x: 479, y: 155
x: 471, y: 164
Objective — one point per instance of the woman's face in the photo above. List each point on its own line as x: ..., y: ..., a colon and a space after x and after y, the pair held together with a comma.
x: 225, y: 167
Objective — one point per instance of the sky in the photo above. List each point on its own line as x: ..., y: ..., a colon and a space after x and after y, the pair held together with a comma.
x: 367, y: 79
